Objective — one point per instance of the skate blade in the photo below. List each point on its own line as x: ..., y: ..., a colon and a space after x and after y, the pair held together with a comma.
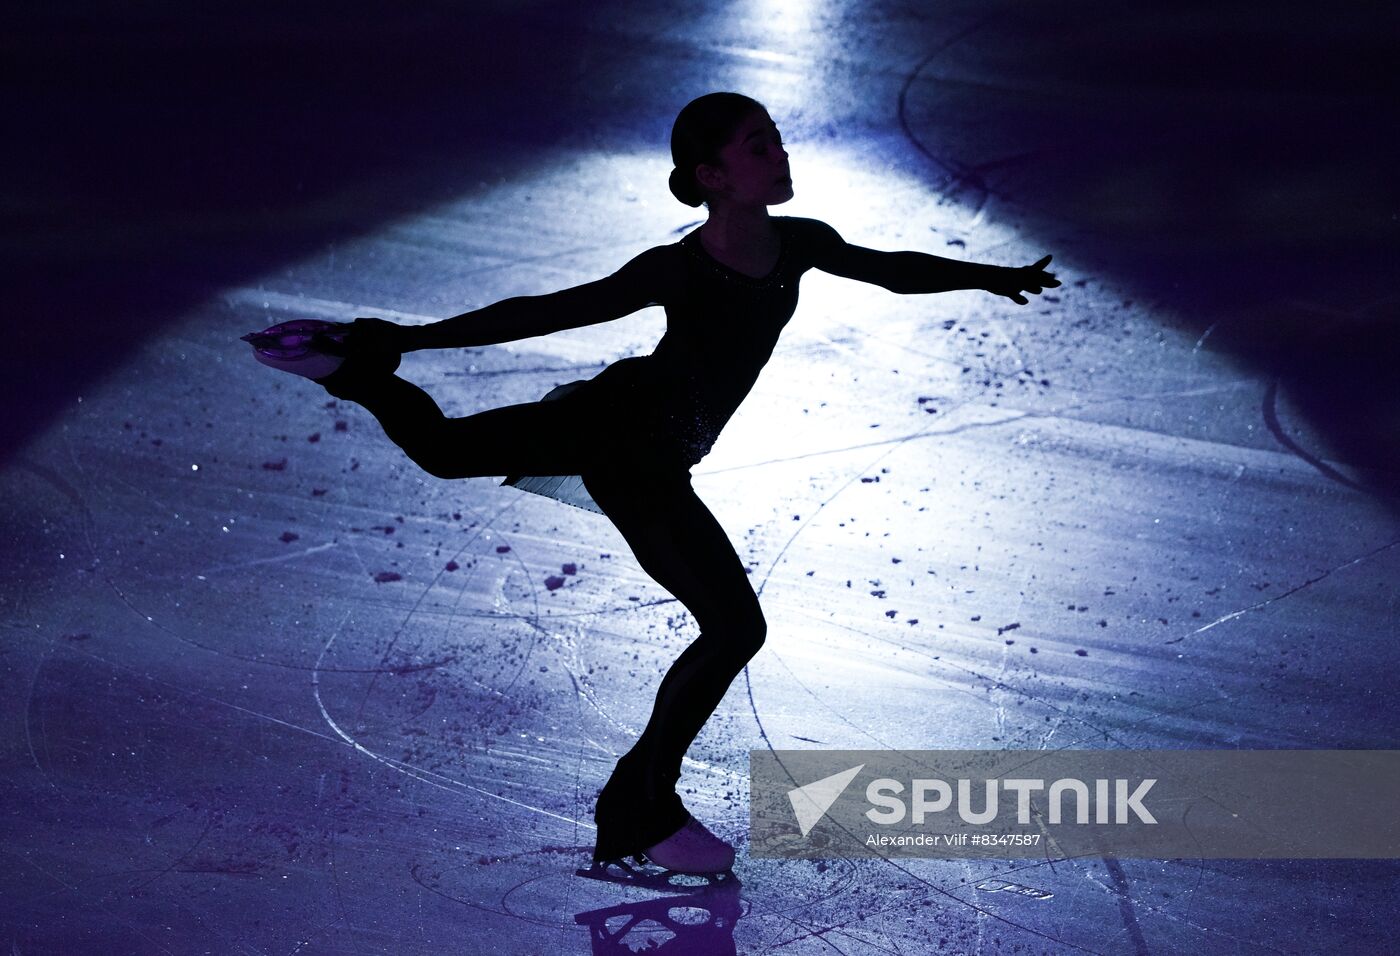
x: 651, y: 876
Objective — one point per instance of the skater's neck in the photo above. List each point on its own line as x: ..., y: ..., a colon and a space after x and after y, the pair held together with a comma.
x: 741, y: 231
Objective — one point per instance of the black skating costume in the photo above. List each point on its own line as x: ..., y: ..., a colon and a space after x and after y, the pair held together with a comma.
x: 629, y: 437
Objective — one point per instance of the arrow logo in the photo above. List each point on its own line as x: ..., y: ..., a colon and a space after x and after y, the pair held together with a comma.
x: 811, y: 802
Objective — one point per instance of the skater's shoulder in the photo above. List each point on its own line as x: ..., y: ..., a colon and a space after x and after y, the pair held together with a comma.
x: 650, y: 274
x: 656, y: 262
x: 810, y: 230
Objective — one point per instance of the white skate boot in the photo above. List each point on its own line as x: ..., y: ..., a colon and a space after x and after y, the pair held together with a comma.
x: 310, y: 348
x: 692, y: 849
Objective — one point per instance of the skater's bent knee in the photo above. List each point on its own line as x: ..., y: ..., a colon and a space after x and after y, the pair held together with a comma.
x: 748, y: 635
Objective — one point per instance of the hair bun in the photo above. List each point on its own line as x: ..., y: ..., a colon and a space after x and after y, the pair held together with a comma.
x: 685, y: 188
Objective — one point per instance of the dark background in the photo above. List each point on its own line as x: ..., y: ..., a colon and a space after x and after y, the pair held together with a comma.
x: 172, y: 774
x: 1233, y: 161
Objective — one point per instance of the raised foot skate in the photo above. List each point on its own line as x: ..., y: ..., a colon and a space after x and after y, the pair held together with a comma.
x: 310, y: 348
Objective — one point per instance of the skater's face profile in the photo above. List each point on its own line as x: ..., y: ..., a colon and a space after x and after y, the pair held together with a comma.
x: 753, y: 166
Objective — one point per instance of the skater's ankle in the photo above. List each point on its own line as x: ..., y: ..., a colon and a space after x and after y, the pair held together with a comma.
x: 644, y: 780
x: 659, y: 786
x: 341, y: 383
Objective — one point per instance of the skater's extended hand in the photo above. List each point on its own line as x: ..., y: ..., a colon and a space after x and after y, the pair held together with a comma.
x: 1012, y: 282
x: 369, y: 336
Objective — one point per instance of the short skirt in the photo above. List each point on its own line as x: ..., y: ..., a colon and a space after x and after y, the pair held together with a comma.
x: 657, y: 428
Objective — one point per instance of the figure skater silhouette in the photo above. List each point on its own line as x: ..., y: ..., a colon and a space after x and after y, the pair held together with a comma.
x: 632, y: 433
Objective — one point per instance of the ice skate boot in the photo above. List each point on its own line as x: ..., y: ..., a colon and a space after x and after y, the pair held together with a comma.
x: 310, y: 348
x: 336, y: 355
x: 692, y: 849
x: 635, y: 811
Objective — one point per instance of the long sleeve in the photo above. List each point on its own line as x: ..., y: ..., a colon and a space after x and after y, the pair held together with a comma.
x: 636, y: 285
x: 903, y: 272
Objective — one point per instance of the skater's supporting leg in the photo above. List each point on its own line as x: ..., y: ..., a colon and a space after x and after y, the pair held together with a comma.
x: 679, y: 543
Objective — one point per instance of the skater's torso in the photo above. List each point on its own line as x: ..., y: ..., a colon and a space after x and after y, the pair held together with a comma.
x: 721, y: 328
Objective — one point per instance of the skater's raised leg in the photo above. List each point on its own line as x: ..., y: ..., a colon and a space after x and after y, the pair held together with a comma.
x: 356, y: 362
x: 533, y: 438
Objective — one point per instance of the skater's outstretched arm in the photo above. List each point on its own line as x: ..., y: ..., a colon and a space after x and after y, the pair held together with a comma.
x: 918, y: 272
x: 636, y: 285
